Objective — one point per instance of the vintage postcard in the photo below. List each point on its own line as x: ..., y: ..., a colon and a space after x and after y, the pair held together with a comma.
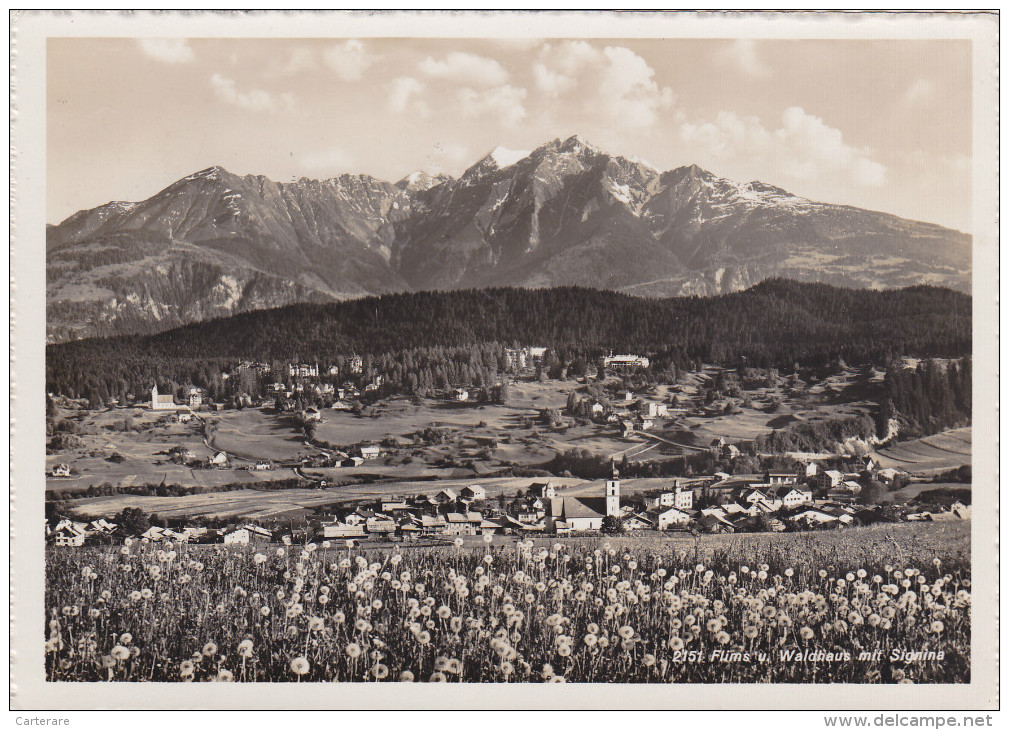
x: 599, y: 350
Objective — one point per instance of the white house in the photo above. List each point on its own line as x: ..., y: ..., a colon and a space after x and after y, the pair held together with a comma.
x: 752, y: 496
x: 813, y: 517
x: 445, y: 496
x: 61, y: 470
x: 652, y: 409
x: 194, y: 398
x: 781, y: 478
x: 239, y: 536
x: 679, y: 498
x: 370, y: 452
x: 634, y: 521
x: 473, y: 492
x: 303, y: 370
x: 542, y: 491
x: 626, y: 361
x: 805, y: 470
x: 69, y: 536
x: 791, y: 496
x: 665, y: 517
x: 218, y: 459
x: 829, y: 479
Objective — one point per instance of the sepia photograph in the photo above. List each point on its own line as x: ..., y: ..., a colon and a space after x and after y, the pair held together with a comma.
x: 446, y: 353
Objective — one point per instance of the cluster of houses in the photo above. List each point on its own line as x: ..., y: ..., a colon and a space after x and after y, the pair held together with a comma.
x: 70, y: 533
x: 809, y: 498
x: 193, y: 398
x: 343, y: 396
x: 525, y: 358
x: 627, y: 412
x: 310, y: 371
x: 720, y: 504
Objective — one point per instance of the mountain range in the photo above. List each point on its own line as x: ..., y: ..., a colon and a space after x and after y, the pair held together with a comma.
x: 214, y: 243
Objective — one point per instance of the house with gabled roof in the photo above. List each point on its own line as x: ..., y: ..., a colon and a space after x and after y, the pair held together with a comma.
x: 790, y: 495
x: 339, y: 529
x: 60, y: 470
x: 433, y: 525
x: 445, y: 496
x: 69, y: 534
x: 715, y: 523
x: 542, y: 490
x: 638, y: 521
x: 473, y: 493
x: 665, y: 517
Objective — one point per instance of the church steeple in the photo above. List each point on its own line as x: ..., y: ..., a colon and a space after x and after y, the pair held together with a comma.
x: 613, y: 494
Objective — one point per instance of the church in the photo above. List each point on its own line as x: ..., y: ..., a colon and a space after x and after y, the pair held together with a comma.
x: 578, y: 514
x: 162, y: 402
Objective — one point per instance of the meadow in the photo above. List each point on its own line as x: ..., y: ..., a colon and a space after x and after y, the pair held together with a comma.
x: 938, y: 452
x: 886, y: 604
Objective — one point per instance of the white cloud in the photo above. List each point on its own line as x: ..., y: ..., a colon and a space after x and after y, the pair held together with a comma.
x: 503, y: 103
x: 333, y: 160
x: 920, y: 90
x: 743, y: 53
x: 465, y: 68
x: 349, y: 59
x: 450, y: 157
x: 403, y: 90
x: 297, y: 61
x: 551, y: 82
x: 254, y: 100
x: 168, y: 50
x: 614, y: 82
x: 803, y: 148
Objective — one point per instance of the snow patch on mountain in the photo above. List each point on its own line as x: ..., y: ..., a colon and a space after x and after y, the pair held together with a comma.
x: 504, y: 157
x: 638, y: 161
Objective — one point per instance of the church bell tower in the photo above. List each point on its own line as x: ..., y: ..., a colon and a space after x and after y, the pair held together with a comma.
x: 613, y: 495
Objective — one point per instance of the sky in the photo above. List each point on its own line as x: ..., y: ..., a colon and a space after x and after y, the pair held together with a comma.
x: 879, y: 124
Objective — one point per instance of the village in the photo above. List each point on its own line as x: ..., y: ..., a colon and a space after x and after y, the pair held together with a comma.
x: 626, y: 425
x: 778, y: 502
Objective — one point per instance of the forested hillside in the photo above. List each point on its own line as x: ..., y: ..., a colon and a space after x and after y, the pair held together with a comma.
x: 775, y: 324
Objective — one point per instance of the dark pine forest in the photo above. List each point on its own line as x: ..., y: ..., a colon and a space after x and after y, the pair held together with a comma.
x: 440, y: 339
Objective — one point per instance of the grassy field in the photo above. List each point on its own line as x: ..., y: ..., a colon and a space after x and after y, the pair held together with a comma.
x: 480, y: 439
x: 940, y: 452
x: 144, y: 448
x: 626, y: 611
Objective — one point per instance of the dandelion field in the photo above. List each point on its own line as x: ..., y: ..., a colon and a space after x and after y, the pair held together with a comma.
x: 808, y: 610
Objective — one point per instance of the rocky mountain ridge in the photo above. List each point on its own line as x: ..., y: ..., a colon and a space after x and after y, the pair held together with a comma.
x: 215, y: 243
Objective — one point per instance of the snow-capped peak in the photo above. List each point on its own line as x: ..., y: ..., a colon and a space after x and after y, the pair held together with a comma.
x: 421, y: 180
x: 504, y: 157
x: 210, y: 173
x: 638, y: 161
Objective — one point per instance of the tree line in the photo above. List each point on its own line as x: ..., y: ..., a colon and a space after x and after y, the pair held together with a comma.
x: 429, y: 340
